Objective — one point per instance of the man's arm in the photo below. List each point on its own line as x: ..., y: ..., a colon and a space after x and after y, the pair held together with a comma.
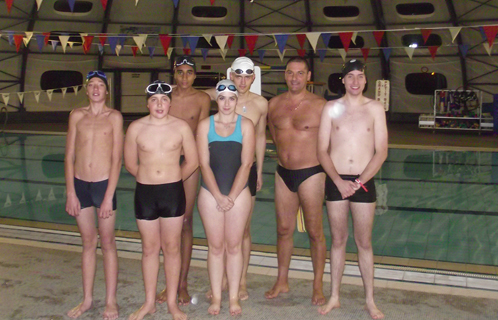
x: 205, y: 106
x: 380, y: 140
x: 212, y: 93
x: 271, y: 106
x: 116, y: 161
x: 191, y: 162
x: 261, y: 141
x: 73, y: 206
x: 131, y: 150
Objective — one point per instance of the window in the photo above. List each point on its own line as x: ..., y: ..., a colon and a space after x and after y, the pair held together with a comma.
x: 416, y: 40
x: 207, y: 79
x: 62, y: 7
x: 415, y: 9
x: 424, y: 83
x: 341, y: 12
x: 209, y: 12
x: 336, y: 43
x: 55, y: 79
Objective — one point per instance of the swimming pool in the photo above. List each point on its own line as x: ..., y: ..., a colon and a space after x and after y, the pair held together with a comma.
x: 432, y: 205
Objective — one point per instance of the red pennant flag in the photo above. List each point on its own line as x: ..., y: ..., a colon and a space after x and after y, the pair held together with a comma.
x: 134, y: 50
x: 9, y: 4
x: 301, y: 38
x: 242, y: 52
x: 378, y: 36
x: 433, y: 50
x: 102, y: 38
x: 18, y: 41
x: 87, y: 42
x: 186, y: 51
x: 230, y: 41
x: 165, y: 41
x: 301, y: 52
x: 212, y: 2
x: 490, y: 32
x: 365, y: 52
x: 425, y: 34
x: 47, y: 37
x: 346, y: 39
x: 251, y: 42
x: 104, y: 3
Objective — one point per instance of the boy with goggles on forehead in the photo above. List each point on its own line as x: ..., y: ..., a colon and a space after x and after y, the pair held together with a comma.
x: 255, y: 108
x: 92, y: 164
x: 153, y: 147
x: 190, y: 105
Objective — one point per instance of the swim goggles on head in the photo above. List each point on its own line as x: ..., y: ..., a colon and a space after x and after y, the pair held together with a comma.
x: 158, y: 88
x: 230, y: 87
x: 240, y: 71
x: 187, y: 61
x: 96, y: 73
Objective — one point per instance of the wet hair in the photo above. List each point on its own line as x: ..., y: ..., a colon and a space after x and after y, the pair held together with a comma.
x: 299, y: 59
x: 352, y: 65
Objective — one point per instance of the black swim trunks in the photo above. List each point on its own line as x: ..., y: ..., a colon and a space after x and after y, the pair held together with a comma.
x: 333, y: 194
x: 91, y: 194
x: 294, y: 178
x: 253, y: 179
x: 153, y: 201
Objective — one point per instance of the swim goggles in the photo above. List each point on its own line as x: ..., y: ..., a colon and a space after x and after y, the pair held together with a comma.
x: 240, y: 71
x: 223, y: 87
x: 97, y: 73
x: 187, y: 61
x: 158, y: 88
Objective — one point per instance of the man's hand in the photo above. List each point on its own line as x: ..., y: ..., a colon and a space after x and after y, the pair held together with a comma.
x: 259, y: 183
x: 73, y: 206
x: 346, y: 188
x: 106, y: 208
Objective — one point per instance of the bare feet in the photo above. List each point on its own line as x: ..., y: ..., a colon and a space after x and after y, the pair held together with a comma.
x: 79, y: 309
x: 318, y: 298
x: 183, y: 297
x: 374, y: 312
x: 332, y: 304
x: 111, y: 311
x: 224, y: 287
x: 243, y: 294
x: 276, y: 290
x: 215, y: 306
x: 161, y: 296
x: 177, y: 313
x: 142, y: 312
x: 235, y: 308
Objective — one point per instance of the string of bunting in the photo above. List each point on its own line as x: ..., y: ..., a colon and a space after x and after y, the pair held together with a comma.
x: 37, y: 93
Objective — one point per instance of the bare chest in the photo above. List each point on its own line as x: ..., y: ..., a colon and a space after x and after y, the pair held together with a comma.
x: 158, y: 141
x: 96, y: 129
x: 353, y: 124
x: 304, y: 119
x: 249, y: 110
x: 186, y: 109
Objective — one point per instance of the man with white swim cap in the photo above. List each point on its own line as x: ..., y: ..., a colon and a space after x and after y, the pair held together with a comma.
x: 351, y: 150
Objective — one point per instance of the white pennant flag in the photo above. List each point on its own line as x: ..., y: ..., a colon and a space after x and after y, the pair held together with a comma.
x: 6, y: 97
x: 38, y: 3
x: 223, y: 53
x: 39, y: 196
x: 83, y: 35
x: 37, y: 95
x: 221, y: 41
x: 343, y: 54
x: 136, y: 2
x: 27, y: 38
x: 51, y: 195
x: 118, y: 49
x: 49, y: 94
x: 170, y: 51
x: 353, y: 38
x: 313, y: 38
x: 20, y: 95
x: 281, y: 55
x: 63, y: 92
x: 8, y: 202
x: 454, y: 33
x: 23, y: 199
x: 208, y: 38
x: 64, y: 40
x: 487, y: 48
x: 409, y: 52
x: 140, y: 41
x: 70, y: 44
x: 75, y: 88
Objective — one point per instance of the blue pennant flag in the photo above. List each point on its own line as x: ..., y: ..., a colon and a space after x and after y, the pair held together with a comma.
x: 192, y: 42
x: 10, y: 35
x: 184, y: 41
x: 321, y: 54
x: 204, y: 53
x: 464, y: 48
x: 326, y: 38
x: 281, y: 41
x: 40, y: 40
x: 54, y: 44
x: 151, y: 51
x: 113, y: 42
x: 71, y: 4
x: 175, y: 2
x: 261, y: 54
x: 387, y: 53
x: 122, y: 38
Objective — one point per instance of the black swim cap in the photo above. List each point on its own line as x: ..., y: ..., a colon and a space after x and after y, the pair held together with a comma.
x: 351, y: 65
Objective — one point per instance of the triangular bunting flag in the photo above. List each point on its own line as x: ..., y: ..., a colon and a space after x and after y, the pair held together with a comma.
x: 28, y: 37
x: 301, y: 39
x: 192, y: 43
x: 251, y: 42
x: 313, y: 39
x: 242, y: 52
x: 70, y: 44
x: 6, y: 97
x: 175, y: 2
x: 387, y: 53
x: 353, y: 38
x: 322, y: 53
x: 102, y: 39
x: 454, y: 33
x: 64, y: 40
x: 9, y: 4
x: 39, y: 196
x: 40, y: 41
x: 223, y: 53
x: 342, y: 52
x: 433, y: 50
x: 37, y: 95
x: 87, y: 42
x: 204, y: 52
x: 151, y: 51
x: 75, y: 89
x: 281, y: 41
x: 212, y: 2
x: 165, y: 42
x: 365, y: 52
x: 170, y: 51
x: 10, y: 36
x: 20, y: 95
x: 49, y: 94
x: 281, y: 54
x: 122, y: 39
x: 104, y: 4
x: 18, y: 41
x: 8, y: 202
x: 25, y: 41
x: 71, y: 4
x: 51, y: 195
x: 136, y: 2
x: 409, y: 51
x: 118, y: 49
x: 23, y: 199
x: 261, y: 54
x: 230, y: 41
x: 39, y: 3
x: 134, y: 50
x: 64, y: 90
x: 221, y: 41
x: 345, y: 39
x: 490, y: 32
x: 47, y: 37
x: 378, y: 36
x: 301, y: 52
x: 326, y: 38
x: 208, y: 38
x: 186, y: 51
x: 54, y: 44
x: 487, y: 47
x: 425, y: 34
x: 113, y: 42
x: 101, y: 48
x: 184, y: 41
x: 483, y: 34
x: 140, y: 41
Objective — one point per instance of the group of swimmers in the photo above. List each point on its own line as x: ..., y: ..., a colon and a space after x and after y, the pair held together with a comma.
x: 315, y: 140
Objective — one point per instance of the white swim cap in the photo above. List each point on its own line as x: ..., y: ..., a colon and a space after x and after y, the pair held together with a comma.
x: 226, y: 86
x: 243, y: 65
